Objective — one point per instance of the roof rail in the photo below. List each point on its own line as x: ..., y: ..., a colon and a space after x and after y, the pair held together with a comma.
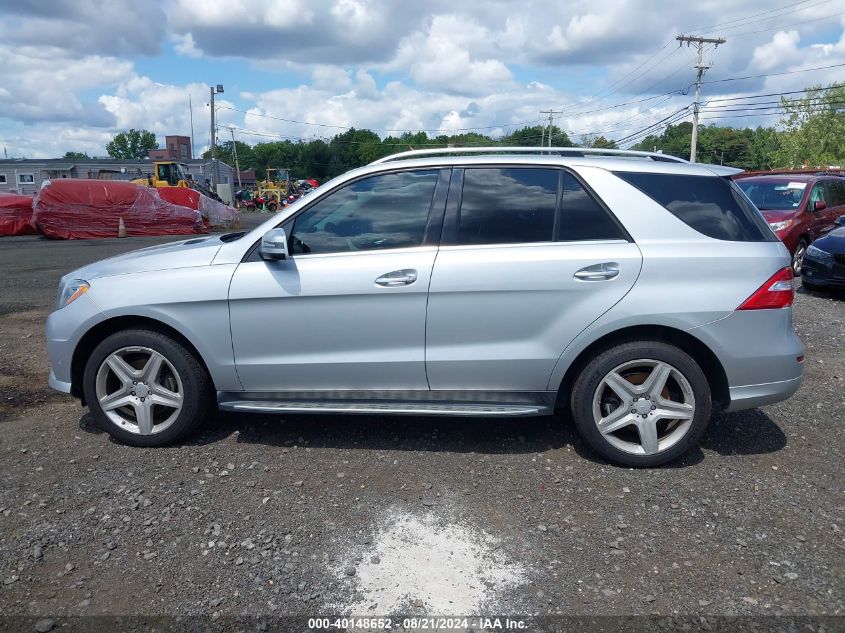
x: 555, y: 151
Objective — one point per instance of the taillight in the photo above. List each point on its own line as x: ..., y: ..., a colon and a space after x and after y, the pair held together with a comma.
x: 777, y: 292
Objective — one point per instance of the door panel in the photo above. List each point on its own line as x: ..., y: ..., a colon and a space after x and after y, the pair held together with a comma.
x: 321, y: 322
x: 499, y: 316
x: 347, y: 309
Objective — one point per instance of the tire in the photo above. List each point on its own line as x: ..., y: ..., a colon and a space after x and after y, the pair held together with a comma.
x: 272, y: 206
x: 685, y: 392
x: 798, y: 256
x: 809, y: 286
x: 143, y: 404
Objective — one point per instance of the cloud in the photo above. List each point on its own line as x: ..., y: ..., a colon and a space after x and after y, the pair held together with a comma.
x: 163, y: 109
x: 311, y: 32
x: 440, y: 58
x: 782, y: 50
x: 40, y: 83
x: 440, y: 65
x: 115, y: 27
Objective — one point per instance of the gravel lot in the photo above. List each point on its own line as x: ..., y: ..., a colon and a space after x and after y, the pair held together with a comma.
x: 320, y: 515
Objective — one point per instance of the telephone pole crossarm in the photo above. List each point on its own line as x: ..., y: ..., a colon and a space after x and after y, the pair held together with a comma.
x: 551, y: 114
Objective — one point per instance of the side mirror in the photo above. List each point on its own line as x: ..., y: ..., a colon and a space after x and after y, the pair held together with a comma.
x: 840, y: 221
x: 819, y: 205
x: 274, y: 245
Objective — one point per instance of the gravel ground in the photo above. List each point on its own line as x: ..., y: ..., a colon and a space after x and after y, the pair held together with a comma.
x: 261, y: 515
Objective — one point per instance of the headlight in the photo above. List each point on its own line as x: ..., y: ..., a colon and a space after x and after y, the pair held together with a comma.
x: 779, y: 226
x: 70, y: 291
x: 816, y: 253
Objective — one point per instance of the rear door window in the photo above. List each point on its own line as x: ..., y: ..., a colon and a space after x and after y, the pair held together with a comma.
x: 582, y: 217
x: 711, y: 205
x: 503, y: 205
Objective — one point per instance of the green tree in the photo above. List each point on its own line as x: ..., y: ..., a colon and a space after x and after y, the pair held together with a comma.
x: 76, y: 155
x: 600, y: 142
x: 814, y: 128
x: 132, y: 144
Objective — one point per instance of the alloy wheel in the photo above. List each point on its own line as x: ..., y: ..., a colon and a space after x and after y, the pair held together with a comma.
x: 798, y: 258
x: 644, y: 407
x: 139, y: 390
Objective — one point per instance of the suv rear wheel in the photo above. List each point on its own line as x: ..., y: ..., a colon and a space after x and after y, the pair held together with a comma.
x: 641, y: 403
x: 146, y: 389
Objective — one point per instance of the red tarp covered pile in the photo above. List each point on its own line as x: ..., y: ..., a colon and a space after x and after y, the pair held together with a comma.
x: 216, y: 213
x: 83, y: 209
x: 16, y: 215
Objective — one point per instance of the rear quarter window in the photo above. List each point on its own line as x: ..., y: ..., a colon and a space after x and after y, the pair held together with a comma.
x: 711, y: 205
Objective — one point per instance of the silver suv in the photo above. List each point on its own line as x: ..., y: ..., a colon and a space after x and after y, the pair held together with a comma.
x: 635, y: 291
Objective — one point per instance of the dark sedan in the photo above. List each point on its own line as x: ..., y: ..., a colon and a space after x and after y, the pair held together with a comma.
x: 824, y: 262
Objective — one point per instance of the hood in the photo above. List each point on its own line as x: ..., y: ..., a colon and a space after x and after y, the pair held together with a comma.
x: 773, y: 215
x: 199, y: 251
x: 833, y: 242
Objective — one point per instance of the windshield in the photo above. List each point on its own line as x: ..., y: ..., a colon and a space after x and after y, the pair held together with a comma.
x: 779, y: 195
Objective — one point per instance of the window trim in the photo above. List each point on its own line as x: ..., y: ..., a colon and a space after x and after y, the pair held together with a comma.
x: 4, y: 180
x: 26, y: 173
x: 451, y: 222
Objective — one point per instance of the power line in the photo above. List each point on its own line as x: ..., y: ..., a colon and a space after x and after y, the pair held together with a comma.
x: 777, y: 94
x: 656, y: 124
x: 790, y: 25
x: 704, y: 29
x: 789, y: 72
x: 749, y: 19
x: 652, y: 129
x: 766, y: 105
x: 776, y: 107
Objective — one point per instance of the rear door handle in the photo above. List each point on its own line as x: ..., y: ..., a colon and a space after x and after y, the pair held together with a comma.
x: 404, y: 277
x: 598, y: 272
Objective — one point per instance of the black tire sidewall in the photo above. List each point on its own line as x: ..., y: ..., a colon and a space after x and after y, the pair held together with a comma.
x: 195, y: 384
x: 805, y: 244
x: 598, y: 368
x: 807, y: 285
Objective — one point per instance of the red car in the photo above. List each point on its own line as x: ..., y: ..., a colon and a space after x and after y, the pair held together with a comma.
x: 799, y: 207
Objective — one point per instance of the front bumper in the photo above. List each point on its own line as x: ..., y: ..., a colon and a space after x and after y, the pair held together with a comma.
x: 58, y: 385
x: 65, y: 328
x: 820, y: 273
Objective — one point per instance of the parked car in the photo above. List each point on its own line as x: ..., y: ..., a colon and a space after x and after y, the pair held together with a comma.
x: 636, y: 291
x: 824, y: 263
x: 800, y: 208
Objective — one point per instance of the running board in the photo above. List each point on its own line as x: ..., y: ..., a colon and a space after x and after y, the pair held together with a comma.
x: 385, y: 408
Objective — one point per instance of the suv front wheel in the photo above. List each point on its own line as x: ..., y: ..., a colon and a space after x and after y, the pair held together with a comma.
x: 641, y: 403
x: 146, y: 389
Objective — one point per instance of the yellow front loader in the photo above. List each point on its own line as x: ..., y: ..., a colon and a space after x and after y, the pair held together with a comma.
x: 166, y: 174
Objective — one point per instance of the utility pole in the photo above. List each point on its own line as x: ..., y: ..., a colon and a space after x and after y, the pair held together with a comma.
x: 699, y: 43
x: 215, y: 173
x: 551, y: 114
x: 235, y: 150
x: 191, y: 114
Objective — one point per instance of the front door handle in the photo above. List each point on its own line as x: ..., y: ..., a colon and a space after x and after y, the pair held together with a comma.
x: 598, y: 272
x: 404, y: 277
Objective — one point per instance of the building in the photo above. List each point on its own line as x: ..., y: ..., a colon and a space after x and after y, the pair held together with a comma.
x: 25, y: 175
x: 247, y: 180
x: 176, y: 148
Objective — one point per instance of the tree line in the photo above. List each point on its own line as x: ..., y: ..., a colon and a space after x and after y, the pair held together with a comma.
x: 810, y: 132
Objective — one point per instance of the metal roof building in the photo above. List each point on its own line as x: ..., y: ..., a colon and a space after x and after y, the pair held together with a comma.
x: 26, y: 175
